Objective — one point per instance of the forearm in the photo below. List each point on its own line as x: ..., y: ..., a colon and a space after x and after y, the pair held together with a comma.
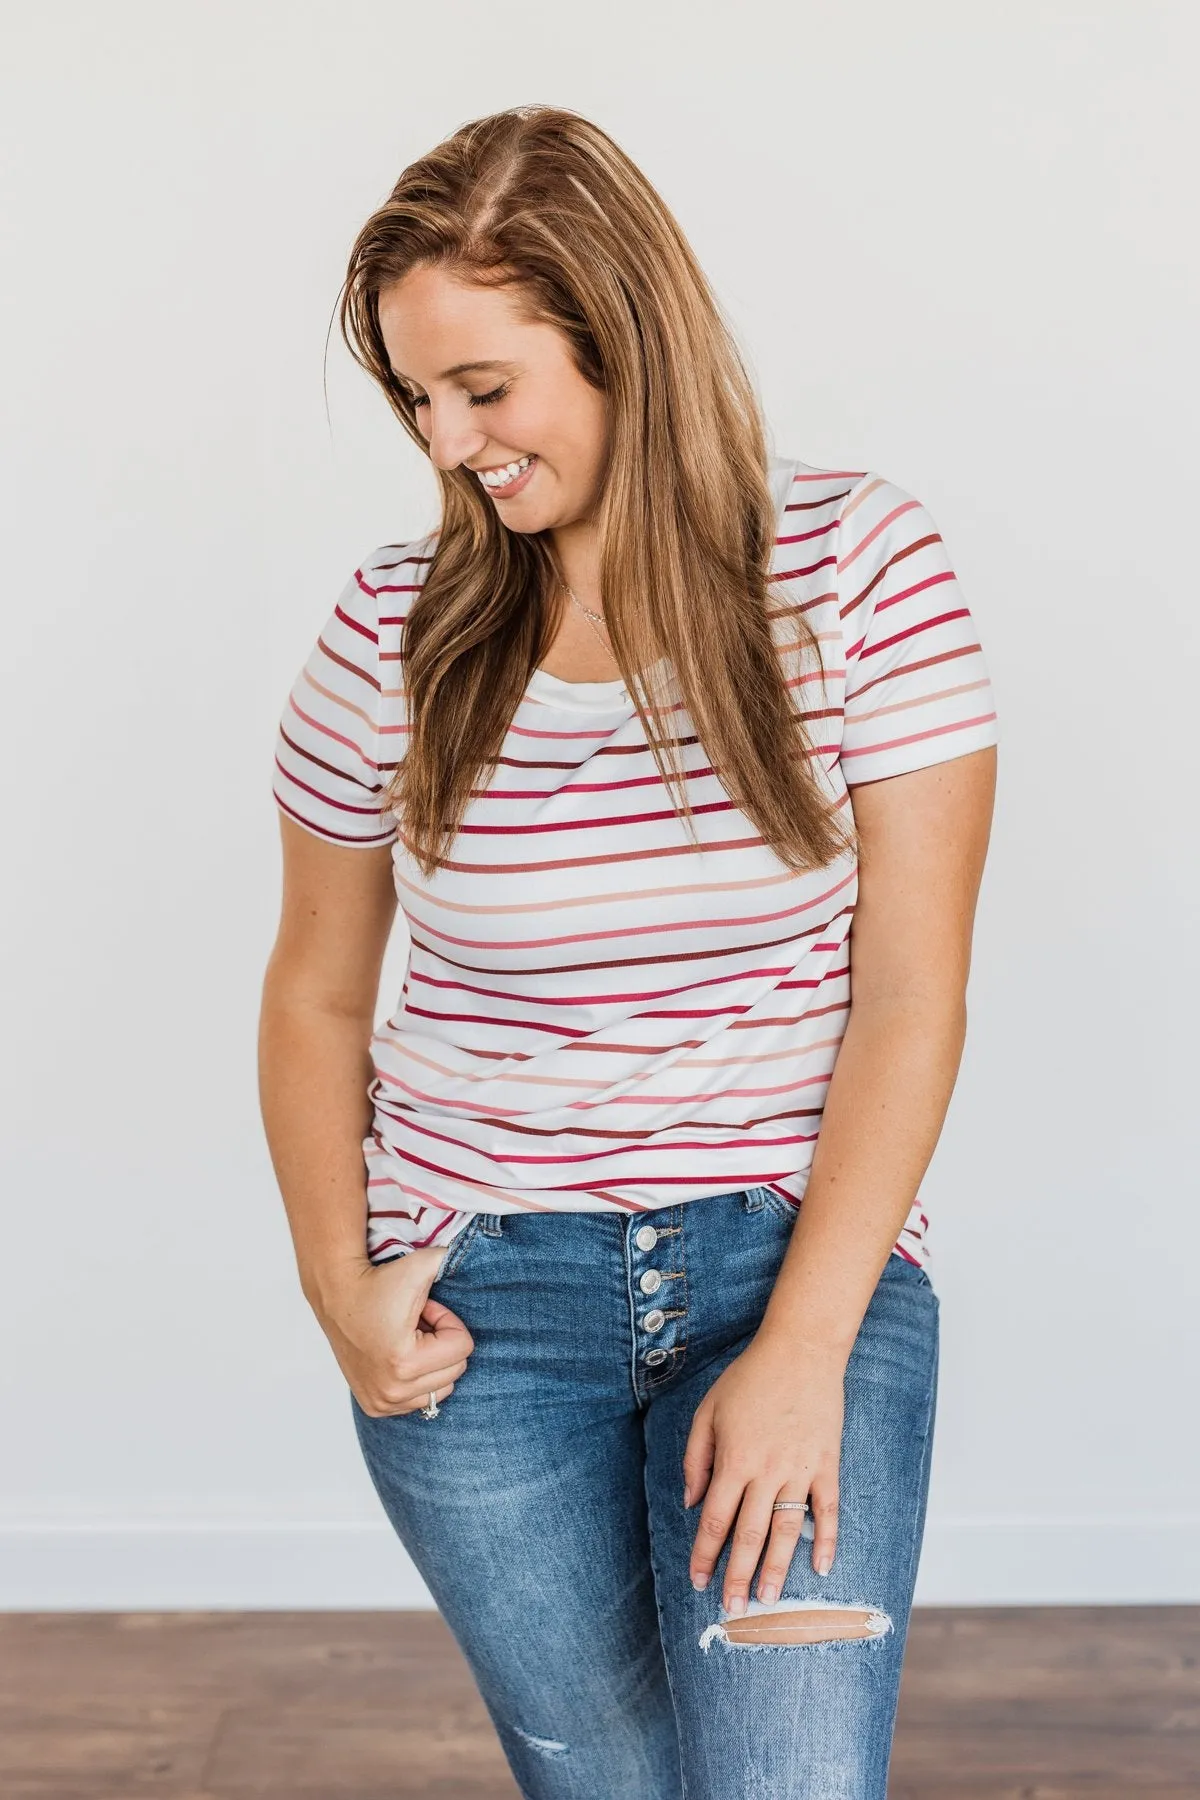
x: 883, y: 1115
x: 314, y: 1072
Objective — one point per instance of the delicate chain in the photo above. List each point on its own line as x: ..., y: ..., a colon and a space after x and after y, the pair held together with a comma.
x: 583, y: 608
x: 590, y: 616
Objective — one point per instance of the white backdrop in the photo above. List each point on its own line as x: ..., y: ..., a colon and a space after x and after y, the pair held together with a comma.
x: 957, y: 246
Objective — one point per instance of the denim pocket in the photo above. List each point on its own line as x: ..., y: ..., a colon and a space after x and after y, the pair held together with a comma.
x: 898, y: 1268
x: 781, y: 1207
x: 460, y: 1243
x: 487, y: 1224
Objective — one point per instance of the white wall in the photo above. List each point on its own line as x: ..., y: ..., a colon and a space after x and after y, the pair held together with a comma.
x: 957, y: 244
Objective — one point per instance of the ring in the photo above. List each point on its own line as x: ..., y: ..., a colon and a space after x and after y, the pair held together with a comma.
x: 789, y: 1505
x: 431, y: 1411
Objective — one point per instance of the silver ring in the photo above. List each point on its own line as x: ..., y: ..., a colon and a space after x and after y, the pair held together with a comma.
x: 789, y: 1505
x: 431, y: 1411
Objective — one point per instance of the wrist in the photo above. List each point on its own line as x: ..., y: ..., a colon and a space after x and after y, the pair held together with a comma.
x: 778, y: 1337
x: 322, y: 1281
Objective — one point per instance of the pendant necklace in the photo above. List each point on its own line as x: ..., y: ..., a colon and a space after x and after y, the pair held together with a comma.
x: 595, y: 619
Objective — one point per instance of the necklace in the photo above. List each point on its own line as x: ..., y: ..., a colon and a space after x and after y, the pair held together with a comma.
x: 594, y: 619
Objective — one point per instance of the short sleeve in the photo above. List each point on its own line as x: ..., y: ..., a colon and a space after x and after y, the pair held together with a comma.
x: 917, y: 685
x: 330, y: 769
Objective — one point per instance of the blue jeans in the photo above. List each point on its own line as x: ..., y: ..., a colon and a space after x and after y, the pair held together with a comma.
x: 544, y: 1508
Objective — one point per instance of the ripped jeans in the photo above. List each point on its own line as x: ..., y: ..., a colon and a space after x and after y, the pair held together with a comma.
x: 543, y: 1507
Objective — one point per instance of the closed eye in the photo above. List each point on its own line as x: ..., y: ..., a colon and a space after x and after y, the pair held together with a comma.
x: 472, y: 399
x: 490, y: 399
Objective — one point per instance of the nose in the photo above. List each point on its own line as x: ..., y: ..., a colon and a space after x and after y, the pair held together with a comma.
x: 452, y: 438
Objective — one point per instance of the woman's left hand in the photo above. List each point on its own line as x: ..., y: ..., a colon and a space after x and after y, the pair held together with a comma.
x: 769, y: 1428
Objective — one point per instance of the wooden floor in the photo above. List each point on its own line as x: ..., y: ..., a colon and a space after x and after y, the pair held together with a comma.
x: 1080, y: 1703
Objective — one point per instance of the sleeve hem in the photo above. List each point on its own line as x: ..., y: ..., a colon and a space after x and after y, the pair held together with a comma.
x: 922, y: 756
x: 340, y: 840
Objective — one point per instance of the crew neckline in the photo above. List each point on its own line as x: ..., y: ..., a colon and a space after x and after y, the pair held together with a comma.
x: 585, y: 696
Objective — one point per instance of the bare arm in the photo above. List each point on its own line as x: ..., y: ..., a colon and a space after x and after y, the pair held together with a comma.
x: 394, y: 1345
x: 924, y: 838
x: 318, y: 1013
x: 772, y: 1421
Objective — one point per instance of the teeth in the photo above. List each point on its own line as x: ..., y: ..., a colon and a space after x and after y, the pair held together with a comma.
x: 502, y: 477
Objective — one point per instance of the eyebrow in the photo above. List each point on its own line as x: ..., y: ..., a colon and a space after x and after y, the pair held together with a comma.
x: 462, y: 368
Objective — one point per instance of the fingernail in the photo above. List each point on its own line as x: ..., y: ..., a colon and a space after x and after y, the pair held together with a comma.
x: 687, y: 1496
x: 736, y: 1606
x: 824, y: 1566
x: 768, y: 1594
x: 699, y: 1582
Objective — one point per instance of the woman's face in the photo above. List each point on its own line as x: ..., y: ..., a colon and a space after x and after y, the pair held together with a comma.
x: 528, y: 402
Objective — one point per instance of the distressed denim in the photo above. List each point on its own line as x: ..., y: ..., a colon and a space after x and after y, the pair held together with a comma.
x: 544, y: 1508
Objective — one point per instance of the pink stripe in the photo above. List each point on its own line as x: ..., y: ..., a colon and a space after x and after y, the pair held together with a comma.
x: 897, y: 512
x: 334, y: 736
x: 917, y: 737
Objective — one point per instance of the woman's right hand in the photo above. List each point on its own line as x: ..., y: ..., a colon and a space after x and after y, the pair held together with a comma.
x: 394, y: 1345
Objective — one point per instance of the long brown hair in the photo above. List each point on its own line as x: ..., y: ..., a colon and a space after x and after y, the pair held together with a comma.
x: 539, y: 199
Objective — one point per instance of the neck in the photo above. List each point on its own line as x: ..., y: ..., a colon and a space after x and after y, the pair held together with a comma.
x: 576, y: 551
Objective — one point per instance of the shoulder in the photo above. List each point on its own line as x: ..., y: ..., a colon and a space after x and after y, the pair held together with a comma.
x: 807, y: 495
x: 380, y: 592
x: 808, y: 503
x: 857, y: 507
x: 879, y: 521
x: 393, y: 573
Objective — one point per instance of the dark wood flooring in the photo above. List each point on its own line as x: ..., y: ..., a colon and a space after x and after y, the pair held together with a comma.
x: 1073, y: 1703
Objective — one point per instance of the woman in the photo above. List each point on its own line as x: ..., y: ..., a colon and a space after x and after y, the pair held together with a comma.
x: 643, y: 1369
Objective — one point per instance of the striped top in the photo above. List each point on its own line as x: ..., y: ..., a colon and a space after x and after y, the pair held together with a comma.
x: 597, y: 1015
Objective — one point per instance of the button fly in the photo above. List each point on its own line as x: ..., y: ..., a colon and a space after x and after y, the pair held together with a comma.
x: 655, y: 1320
x: 656, y: 1356
x: 645, y: 1237
x: 650, y: 1282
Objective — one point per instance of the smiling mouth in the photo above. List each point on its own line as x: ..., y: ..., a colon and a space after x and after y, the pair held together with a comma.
x: 512, y: 475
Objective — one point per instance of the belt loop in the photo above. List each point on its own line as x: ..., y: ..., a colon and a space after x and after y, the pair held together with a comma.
x: 493, y: 1224
x: 753, y: 1198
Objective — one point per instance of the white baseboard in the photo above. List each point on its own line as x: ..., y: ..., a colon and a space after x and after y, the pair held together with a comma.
x: 190, y: 1565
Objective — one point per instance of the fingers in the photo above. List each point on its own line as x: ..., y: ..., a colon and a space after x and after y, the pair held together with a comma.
x: 824, y: 1503
x: 750, y: 1533
x: 391, y: 1398
x: 422, y: 1399
x: 716, y: 1518
x: 438, y: 1319
x: 785, y: 1528
x: 745, y: 1516
x: 698, y: 1456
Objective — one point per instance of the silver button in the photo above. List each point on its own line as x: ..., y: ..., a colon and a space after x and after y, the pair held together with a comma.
x: 656, y: 1356
x: 650, y: 1282
x: 645, y: 1237
x: 654, y: 1321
